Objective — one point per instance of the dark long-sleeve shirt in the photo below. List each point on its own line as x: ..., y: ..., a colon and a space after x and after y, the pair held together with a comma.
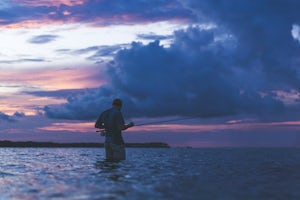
x: 112, y: 121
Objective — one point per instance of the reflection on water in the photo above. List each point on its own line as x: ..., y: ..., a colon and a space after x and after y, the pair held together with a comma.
x: 82, y: 173
x: 107, y: 166
x: 111, y: 170
x: 79, y: 173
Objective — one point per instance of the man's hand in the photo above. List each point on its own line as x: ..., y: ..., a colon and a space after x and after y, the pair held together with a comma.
x: 131, y: 124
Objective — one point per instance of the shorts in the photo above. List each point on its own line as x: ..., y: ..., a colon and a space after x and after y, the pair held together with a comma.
x: 114, y: 152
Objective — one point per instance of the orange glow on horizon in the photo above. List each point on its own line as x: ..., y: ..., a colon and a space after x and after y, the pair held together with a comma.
x: 72, y: 127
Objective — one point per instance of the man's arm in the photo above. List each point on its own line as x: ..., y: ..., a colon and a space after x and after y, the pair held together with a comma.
x: 121, y: 122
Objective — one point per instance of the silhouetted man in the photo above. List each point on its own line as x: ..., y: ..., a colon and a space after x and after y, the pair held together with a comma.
x: 112, y: 122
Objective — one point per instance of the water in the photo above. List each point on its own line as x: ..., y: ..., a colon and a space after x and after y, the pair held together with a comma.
x: 176, y: 173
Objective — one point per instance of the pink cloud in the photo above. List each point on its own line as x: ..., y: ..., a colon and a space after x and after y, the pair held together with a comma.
x: 48, y: 2
x: 28, y: 13
x: 54, y: 79
x: 17, y: 85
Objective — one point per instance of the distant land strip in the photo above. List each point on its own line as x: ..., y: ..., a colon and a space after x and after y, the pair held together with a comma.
x: 78, y: 145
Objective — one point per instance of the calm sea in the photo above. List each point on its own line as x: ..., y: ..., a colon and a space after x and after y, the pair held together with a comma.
x: 175, y: 173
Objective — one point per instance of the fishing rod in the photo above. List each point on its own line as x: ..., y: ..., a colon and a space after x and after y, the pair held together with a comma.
x: 157, y: 122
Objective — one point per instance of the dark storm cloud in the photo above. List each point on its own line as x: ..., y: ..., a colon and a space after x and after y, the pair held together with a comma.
x: 263, y: 29
x: 103, y: 12
x: 42, y: 39
x: 196, y: 76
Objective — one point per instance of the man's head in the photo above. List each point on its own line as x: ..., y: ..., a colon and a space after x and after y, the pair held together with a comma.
x: 117, y: 103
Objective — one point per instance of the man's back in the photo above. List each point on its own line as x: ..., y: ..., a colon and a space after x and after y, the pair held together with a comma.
x: 112, y: 121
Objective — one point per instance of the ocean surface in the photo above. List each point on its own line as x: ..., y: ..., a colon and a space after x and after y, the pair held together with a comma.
x: 150, y: 173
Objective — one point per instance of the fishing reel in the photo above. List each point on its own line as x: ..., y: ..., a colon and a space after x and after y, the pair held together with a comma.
x: 102, y: 132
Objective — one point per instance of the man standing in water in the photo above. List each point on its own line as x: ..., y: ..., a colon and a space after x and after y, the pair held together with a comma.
x: 112, y: 122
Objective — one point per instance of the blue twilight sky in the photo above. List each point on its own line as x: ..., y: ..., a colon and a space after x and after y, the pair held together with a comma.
x: 232, y: 66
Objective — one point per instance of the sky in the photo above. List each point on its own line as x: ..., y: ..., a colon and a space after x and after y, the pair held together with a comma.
x: 220, y: 73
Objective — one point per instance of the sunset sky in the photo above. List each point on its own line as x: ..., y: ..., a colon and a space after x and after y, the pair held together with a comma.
x: 230, y: 70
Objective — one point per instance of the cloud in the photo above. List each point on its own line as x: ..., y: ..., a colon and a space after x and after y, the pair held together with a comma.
x: 195, y: 76
x: 48, y: 2
x: 42, y: 39
x: 86, y: 50
x: 95, y: 53
x: 7, y: 118
x: 264, y: 34
x: 93, y: 103
x: 103, y: 12
x: 15, y: 13
x: 58, y: 93
x: 23, y: 60
x: 100, y: 51
x: 106, y: 51
x: 115, y: 12
x: 235, y: 67
x: 153, y: 36
x: 19, y: 114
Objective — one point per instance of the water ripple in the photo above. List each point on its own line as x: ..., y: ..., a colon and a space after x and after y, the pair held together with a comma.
x: 82, y: 173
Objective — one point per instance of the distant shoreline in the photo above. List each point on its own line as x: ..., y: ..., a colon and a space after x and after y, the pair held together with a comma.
x: 78, y: 145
